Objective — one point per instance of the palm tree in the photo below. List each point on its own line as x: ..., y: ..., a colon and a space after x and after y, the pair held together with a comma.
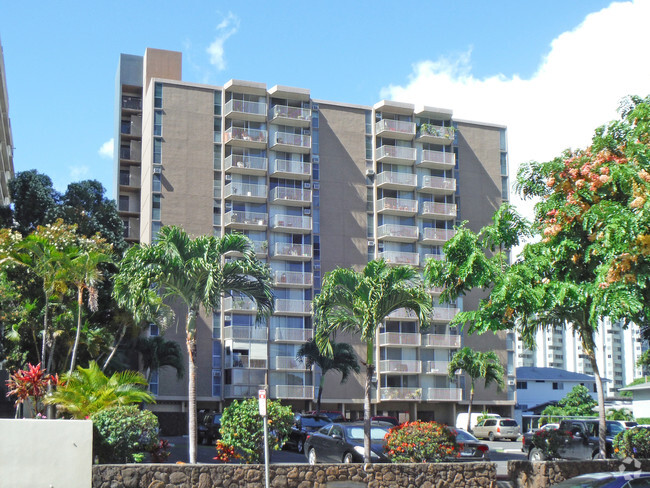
x: 194, y: 272
x: 358, y: 302
x: 343, y: 360
x: 157, y: 353
x: 477, y: 365
x: 89, y: 390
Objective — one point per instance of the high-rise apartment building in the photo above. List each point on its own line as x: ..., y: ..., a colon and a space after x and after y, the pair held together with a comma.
x: 6, y: 144
x: 315, y: 185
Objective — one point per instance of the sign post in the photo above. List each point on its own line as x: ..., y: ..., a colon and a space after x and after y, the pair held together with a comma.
x: 265, y: 419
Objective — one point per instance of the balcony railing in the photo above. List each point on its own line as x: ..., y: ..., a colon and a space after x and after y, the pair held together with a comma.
x: 437, y: 159
x: 290, y: 334
x: 293, y: 278
x: 292, y: 251
x: 132, y: 103
x: 386, y: 127
x: 398, y: 232
x: 246, y: 218
x: 439, y: 209
x: 293, y: 391
x: 392, y: 178
x: 396, y: 257
x: 386, y: 394
x: 400, y: 366
x: 395, y: 153
x: 245, y: 135
x: 241, y: 391
x: 244, y: 107
x: 245, y: 362
x: 402, y: 314
x: 437, y: 367
x: 437, y: 235
x: 436, y: 132
x: 441, y: 340
x: 292, y: 222
x: 251, y: 163
x: 438, y: 184
x: 296, y: 195
x: 435, y: 257
x: 289, y: 139
x: 293, y: 113
x: 444, y: 314
x: 292, y: 307
x: 239, y: 304
x: 444, y: 394
x: 245, y: 333
x: 287, y: 362
x: 399, y: 339
x: 397, y: 205
x: 235, y: 189
x: 291, y: 168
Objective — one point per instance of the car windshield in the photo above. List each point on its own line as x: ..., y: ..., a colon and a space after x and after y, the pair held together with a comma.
x: 509, y: 423
x: 462, y: 436
x: 216, y: 419
x: 356, y: 433
x: 613, y: 429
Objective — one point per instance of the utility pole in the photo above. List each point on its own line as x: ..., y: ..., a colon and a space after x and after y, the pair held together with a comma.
x: 265, y: 419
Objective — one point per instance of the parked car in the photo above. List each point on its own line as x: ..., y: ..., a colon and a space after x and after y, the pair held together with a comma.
x: 497, y: 428
x: 385, y: 418
x: 303, y: 425
x: 616, y: 479
x: 549, y: 427
x: 209, y: 428
x: 343, y: 443
x: 333, y: 415
x: 470, y: 447
x: 628, y: 424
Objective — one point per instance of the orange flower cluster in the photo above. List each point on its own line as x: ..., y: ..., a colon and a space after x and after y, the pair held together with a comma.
x: 225, y: 453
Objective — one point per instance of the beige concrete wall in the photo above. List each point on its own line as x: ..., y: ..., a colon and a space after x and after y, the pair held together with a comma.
x: 54, y: 453
x: 159, y: 63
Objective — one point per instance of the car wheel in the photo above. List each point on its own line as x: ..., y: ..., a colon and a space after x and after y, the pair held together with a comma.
x: 300, y: 446
x: 312, y: 456
x: 491, y: 436
x: 536, y: 454
x: 347, y: 458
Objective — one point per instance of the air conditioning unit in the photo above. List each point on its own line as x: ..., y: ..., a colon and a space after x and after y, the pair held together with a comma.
x: 317, y: 187
x: 228, y: 177
x: 306, y: 185
x: 315, y: 159
x: 512, y: 382
x: 314, y: 107
x: 157, y: 170
x: 370, y: 172
x: 306, y: 211
x: 371, y: 243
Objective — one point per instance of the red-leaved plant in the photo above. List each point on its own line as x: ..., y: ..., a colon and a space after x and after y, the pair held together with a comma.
x: 31, y: 384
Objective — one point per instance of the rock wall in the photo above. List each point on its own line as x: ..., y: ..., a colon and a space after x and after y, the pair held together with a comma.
x: 443, y: 475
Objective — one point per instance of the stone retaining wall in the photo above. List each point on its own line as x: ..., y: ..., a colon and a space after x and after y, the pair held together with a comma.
x: 442, y: 475
x: 526, y: 474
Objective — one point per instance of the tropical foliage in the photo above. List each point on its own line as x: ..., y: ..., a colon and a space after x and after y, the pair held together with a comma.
x: 358, y: 303
x: 577, y: 403
x: 550, y: 441
x: 156, y: 353
x: 421, y: 442
x: 633, y: 443
x: 30, y: 385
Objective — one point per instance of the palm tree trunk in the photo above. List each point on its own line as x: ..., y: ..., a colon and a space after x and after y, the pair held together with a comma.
x: 191, y: 394
x: 469, y: 408
x: 370, y: 368
x: 320, y: 392
x: 73, y: 360
x: 50, y: 361
x: 114, y: 348
x: 47, y: 302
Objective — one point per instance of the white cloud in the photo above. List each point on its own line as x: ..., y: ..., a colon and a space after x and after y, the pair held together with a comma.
x: 225, y: 29
x: 106, y: 149
x: 78, y: 172
x: 576, y: 88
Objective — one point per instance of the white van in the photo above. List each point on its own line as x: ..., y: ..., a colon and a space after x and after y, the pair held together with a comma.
x: 461, y: 419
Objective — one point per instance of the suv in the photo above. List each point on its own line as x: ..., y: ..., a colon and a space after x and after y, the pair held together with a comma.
x: 209, y: 426
x: 497, y: 429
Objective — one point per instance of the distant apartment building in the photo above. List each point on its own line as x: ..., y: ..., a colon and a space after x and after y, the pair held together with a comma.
x: 6, y: 144
x: 315, y: 185
x: 617, y: 352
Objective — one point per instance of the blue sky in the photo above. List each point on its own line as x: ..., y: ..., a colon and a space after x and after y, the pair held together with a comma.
x: 551, y: 71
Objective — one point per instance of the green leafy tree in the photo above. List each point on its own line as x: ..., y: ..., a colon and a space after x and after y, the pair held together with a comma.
x: 632, y: 443
x: 195, y: 273
x: 421, y: 442
x: 591, y: 255
x: 33, y: 196
x: 242, y: 428
x: 577, y: 403
x: 343, y: 360
x: 477, y: 365
x: 156, y: 353
x: 619, y: 414
x: 88, y: 390
x: 358, y: 302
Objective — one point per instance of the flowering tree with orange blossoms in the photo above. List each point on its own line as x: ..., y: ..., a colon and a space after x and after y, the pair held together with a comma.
x: 590, y: 253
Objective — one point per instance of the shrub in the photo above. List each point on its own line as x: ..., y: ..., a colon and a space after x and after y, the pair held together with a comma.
x: 124, y: 434
x: 421, y: 442
x: 633, y: 443
x: 550, y: 441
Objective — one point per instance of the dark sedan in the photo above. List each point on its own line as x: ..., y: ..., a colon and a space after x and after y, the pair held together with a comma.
x: 304, y: 424
x: 343, y: 443
x: 630, y: 479
x: 470, y: 447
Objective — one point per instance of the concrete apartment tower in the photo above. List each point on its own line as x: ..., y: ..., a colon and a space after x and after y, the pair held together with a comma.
x: 315, y: 185
x: 6, y: 144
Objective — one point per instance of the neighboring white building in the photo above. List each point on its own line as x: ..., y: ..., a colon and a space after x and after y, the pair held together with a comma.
x: 618, y: 350
x: 640, y: 399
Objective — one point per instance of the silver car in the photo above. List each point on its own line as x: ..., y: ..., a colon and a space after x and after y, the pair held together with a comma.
x: 500, y: 428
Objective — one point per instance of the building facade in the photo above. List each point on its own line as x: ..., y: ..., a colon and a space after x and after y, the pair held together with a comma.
x: 315, y: 185
x: 6, y: 143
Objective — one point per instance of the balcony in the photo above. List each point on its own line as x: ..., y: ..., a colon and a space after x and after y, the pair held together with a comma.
x: 444, y: 314
x: 387, y: 394
x: 437, y: 367
x: 291, y: 116
x: 131, y: 103
x: 294, y: 392
x: 292, y: 279
x: 288, y: 142
x: 439, y: 211
x: 132, y: 128
x: 437, y: 185
x: 396, y: 257
x: 291, y: 223
x: 431, y: 235
x: 292, y: 307
x: 435, y: 257
x: 236, y: 219
x: 435, y: 134
x: 246, y: 165
x: 261, y: 248
x: 437, y: 160
x: 129, y: 181
x: 441, y: 340
x: 296, y: 170
x: 287, y: 362
x: 245, y: 362
x: 397, y: 233
x: 239, y: 305
x: 397, y: 206
x: 395, y: 129
x: 444, y: 394
x: 390, y: 180
x: 292, y: 252
x: 241, y: 109
x: 241, y: 137
x: 241, y: 391
x: 396, y: 155
x: 402, y: 314
x: 245, y: 333
x: 299, y: 197
x: 290, y: 334
x: 399, y: 339
x: 402, y: 366
x: 435, y: 290
x: 246, y: 192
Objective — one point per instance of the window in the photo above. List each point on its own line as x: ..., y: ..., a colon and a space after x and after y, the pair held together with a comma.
x: 558, y: 386
x: 154, y: 330
x: 504, y: 188
x: 125, y: 222
x: 155, y: 204
x: 157, y: 123
x: 217, y: 103
x: 216, y: 383
x: 153, y: 382
x: 157, y: 151
x: 156, y: 183
x: 504, y: 163
x: 522, y: 385
x: 155, y: 228
x: 158, y: 93
x: 124, y: 203
x: 502, y: 139
x: 125, y: 177
x: 368, y: 147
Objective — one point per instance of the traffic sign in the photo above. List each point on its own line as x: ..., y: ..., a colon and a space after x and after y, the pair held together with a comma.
x: 262, y: 402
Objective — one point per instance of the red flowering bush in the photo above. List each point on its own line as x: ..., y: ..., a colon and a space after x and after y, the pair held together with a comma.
x: 31, y: 384
x: 421, y: 442
x: 550, y: 441
x: 225, y: 453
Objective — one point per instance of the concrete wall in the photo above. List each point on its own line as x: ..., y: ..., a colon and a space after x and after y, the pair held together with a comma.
x: 641, y: 403
x: 46, y: 453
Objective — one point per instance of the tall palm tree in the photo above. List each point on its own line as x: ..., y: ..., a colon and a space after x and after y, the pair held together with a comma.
x: 89, y: 390
x: 477, y: 365
x: 343, y: 360
x: 196, y: 273
x: 358, y: 302
x: 156, y: 353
